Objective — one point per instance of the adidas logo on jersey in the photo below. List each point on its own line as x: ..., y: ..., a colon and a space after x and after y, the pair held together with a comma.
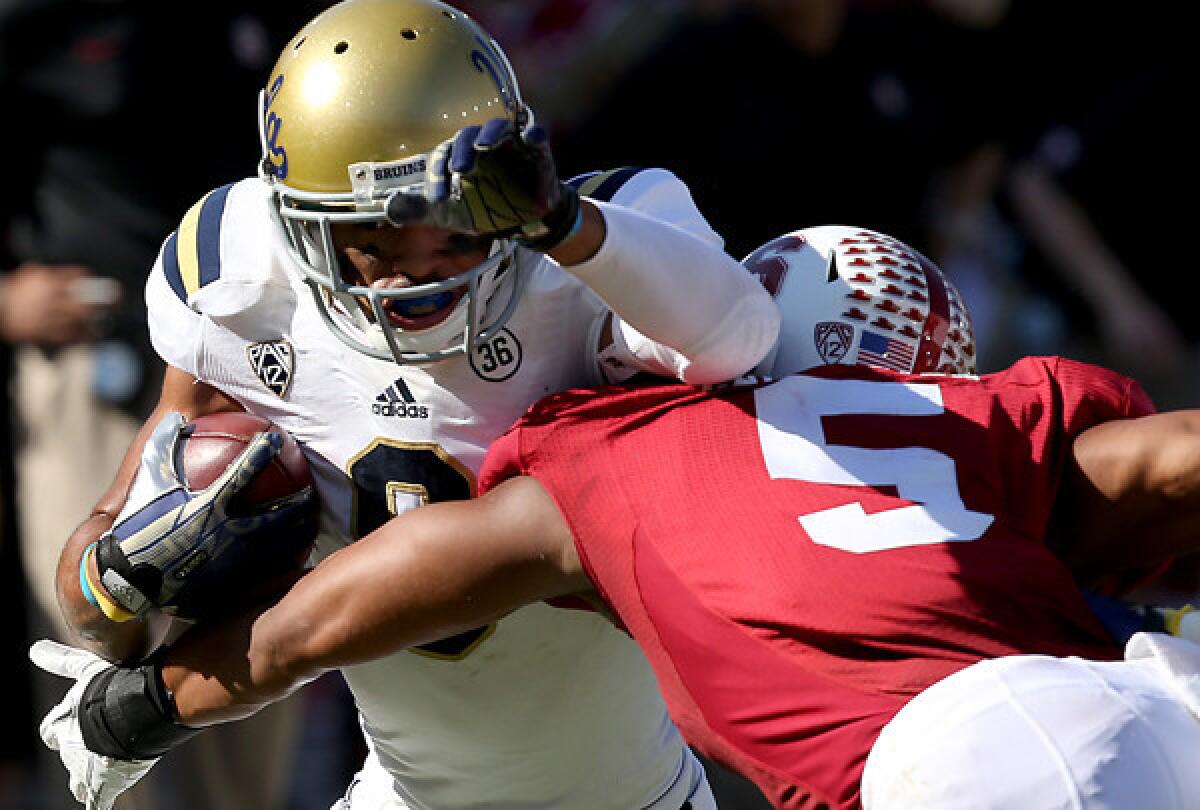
x: 398, y: 401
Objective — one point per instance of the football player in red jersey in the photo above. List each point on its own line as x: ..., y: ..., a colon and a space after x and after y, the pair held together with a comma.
x: 860, y: 586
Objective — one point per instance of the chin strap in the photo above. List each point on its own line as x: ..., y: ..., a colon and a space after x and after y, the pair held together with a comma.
x: 130, y: 714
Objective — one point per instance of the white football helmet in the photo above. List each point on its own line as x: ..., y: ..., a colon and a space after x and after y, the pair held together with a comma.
x: 857, y: 297
x: 356, y: 102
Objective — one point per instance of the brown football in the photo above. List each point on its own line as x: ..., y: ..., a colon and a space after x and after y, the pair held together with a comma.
x: 217, y: 439
x: 260, y: 563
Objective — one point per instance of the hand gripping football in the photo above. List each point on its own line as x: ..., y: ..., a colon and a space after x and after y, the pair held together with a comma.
x: 262, y: 561
x: 212, y: 442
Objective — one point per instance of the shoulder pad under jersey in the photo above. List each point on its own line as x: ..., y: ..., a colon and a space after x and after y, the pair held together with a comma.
x: 655, y: 192
x: 224, y: 255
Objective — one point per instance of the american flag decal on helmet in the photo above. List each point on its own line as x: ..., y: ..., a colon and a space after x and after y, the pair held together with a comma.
x: 878, y: 350
x: 273, y: 362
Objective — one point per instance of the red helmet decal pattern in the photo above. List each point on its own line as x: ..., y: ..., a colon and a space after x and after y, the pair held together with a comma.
x: 909, y: 294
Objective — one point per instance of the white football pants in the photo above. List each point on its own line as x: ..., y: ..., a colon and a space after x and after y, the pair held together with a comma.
x: 1041, y: 733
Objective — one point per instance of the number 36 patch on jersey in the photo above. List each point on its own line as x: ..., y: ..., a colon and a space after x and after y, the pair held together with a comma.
x: 497, y: 358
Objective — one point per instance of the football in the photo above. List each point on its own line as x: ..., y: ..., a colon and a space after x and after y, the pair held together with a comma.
x: 261, y: 564
x: 214, y: 441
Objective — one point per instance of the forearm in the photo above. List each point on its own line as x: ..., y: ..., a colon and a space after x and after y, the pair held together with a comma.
x: 586, y: 241
x: 116, y: 641
x: 425, y: 575
x: 225, y: 672
x: 1134, y: 492
x: 127, y: 641
x: 710, y: 318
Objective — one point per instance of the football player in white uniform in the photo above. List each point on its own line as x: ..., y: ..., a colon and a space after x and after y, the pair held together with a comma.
x: 402, y: 280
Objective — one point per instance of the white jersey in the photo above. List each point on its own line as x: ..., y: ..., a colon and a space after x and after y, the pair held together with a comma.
x: 547, y: 708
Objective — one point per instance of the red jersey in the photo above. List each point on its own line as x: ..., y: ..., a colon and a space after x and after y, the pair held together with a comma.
x: 801, y: 558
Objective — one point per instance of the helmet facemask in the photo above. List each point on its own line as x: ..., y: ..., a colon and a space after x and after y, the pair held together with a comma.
x: 355, y: 104
x: 490, y: 290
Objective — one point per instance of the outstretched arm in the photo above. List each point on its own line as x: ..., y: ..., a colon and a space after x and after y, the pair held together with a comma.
x: 685, y: 308
x: 425, y: 575
x: 1132, y: 494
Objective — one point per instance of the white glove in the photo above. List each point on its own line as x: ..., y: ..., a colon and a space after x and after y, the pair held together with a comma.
x: 95, y: 780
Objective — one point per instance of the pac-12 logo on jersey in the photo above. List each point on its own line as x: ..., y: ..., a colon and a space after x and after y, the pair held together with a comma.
x: 398, y: 402
x: 497, y: 358
x: 273, y: 362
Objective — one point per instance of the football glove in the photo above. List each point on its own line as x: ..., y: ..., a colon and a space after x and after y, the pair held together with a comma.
x: 494, y: 180
x: 95, y: 780
x: 168, y: 537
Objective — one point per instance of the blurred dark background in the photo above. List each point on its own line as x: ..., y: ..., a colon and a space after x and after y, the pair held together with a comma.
x: 1034, y: 149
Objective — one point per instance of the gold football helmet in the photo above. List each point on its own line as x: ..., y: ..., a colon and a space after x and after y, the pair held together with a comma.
x: 356, y: 102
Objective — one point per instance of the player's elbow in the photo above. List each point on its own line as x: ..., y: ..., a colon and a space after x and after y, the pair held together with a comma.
x: 1150, y: 460
x: 736, y: 345
x: 1172, y: 469
x: 1133, y: 495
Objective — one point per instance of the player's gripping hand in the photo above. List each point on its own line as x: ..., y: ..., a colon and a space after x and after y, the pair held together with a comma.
x: 167, y: 534
x: 95, y: 780
x: 494, y: 180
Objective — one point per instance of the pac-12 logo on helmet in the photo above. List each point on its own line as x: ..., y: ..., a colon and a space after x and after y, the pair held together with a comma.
x: 855, y: 296
x: 833, y: 340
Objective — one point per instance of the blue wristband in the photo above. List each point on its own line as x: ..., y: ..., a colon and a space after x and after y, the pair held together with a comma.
x: 83, y: 579
x: 576, y: 226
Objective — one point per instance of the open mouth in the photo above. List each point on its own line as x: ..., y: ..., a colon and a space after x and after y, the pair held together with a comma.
x: 424, y: 312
